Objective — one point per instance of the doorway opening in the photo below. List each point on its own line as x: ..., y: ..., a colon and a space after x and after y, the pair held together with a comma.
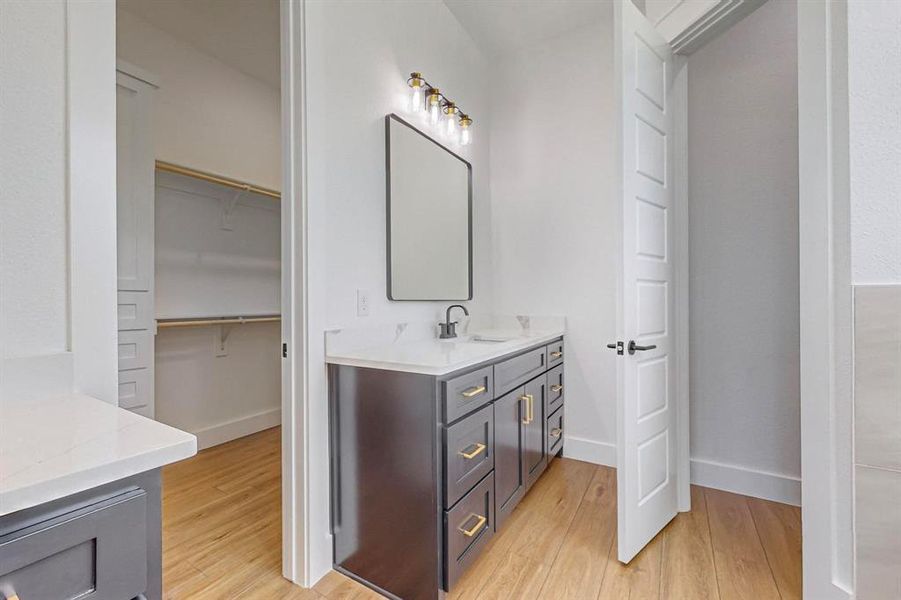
x: 199, y: 147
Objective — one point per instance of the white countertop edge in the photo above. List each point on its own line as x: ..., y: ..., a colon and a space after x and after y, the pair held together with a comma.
x: 80, y: 481
x: 526, y: 342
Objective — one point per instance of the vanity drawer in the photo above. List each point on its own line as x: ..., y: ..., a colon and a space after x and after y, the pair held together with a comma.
x: 555, y: 353
x: 469, y: 446
x: 519, y: 369
x: 555, y: 433
x: 466, y: 393
x: 554, y: 389
x: 99, y: 551
x: 468, y: 527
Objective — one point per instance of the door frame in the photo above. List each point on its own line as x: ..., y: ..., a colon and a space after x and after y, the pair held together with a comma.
x: 296, y: 492
x: 827, y: 406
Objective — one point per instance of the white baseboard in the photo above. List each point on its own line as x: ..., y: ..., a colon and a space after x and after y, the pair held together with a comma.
x: 236, y: 428
x: 749, y: 482
x: 599, y: 453
x: 719, y: 476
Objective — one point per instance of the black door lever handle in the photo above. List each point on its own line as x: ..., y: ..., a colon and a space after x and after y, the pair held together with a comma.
x: 633, y: 347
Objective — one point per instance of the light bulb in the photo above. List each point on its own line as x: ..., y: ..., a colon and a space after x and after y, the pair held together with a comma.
x: 434, y: 104
x: 450, y: 119
x: 465, y: 130
x: 416, y: 97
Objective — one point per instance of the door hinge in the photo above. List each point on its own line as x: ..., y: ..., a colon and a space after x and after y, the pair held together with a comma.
x: 285, y: 350
x: 618, y: 346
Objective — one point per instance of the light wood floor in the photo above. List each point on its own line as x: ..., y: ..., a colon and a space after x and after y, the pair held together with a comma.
x: 222, y: 539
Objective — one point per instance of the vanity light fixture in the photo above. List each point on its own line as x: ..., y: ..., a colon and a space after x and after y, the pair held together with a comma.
x: 425, y: 96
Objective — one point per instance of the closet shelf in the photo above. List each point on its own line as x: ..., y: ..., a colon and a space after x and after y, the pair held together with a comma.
x: 212, y: 178
x: 167, y: 323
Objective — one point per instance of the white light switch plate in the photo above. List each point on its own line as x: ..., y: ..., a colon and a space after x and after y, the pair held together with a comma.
x: 362, y: 303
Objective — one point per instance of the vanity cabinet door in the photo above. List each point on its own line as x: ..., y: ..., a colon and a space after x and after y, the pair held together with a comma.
x: 534, y: 438
x: 509, y: 465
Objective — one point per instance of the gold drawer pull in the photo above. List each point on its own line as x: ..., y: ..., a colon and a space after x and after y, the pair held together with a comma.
x: 475, y: 391
x: 556, y: 431
x: 470, y: 455
x: 557, y: 354
x: 557, y: 388
x: 529, y: 409
x: 480, y: 522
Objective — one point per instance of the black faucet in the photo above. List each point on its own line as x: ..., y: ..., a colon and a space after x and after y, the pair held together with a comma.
x: 449, y: 328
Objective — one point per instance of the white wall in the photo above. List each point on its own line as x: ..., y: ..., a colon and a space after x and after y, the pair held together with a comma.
x: 34, y: 299
x: 874, y: 43
x: 207, y: 115
x: 359, y: 54
x: 743, y: 207
x: 875, y: 130
x: 554, y: 211
x: 57, y: 202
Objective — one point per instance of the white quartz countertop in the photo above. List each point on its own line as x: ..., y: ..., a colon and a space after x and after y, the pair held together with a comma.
x: 67, y: 444
x: 440, y: 357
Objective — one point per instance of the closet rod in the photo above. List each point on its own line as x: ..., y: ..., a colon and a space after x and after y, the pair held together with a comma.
x: 216, y: 321
x: 233, y: 183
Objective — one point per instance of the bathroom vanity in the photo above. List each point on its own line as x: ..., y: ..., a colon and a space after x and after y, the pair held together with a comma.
x: 433, y: 444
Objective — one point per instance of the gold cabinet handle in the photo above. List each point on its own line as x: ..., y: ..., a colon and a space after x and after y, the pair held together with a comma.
x: 480, y: 522
x: 557, y: 354
x: 531, y: 407
x: 556, y: 431
x: 475, y: 391
x: 525, y: 400
x: 557, y: 388
x: 470, y: 455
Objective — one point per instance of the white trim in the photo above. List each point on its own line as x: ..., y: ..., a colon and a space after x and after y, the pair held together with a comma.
x: 825, y: 302
x: 686, y: 30
x: 35, y: 377
x: 681, y: 284
x: 227, y: 431
x: 91, y: 112
x: 295, y: 381
x: 592, y: 451
x: 749, y: 482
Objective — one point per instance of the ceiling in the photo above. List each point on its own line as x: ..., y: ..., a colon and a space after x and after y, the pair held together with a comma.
x: 243, y: 34
x: 505, y: 26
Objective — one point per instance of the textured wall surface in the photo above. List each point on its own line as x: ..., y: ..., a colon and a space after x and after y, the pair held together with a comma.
x: 34, y: 241
x: 874, y: 45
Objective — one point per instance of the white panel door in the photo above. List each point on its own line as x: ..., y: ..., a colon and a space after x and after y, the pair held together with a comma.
x: 646, y: 412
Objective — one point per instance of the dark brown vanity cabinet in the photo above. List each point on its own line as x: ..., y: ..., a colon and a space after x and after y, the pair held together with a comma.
x: 425, y: 469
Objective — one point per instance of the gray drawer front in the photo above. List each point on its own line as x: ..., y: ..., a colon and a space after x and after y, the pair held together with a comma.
x: 97, y: 552
x: 554, y: 389
x: 519, y: 369
x: 555, y: 354
x: 555, y: 433
x: 466, y: 393
x: 474, y: 514
x: 469, y: 456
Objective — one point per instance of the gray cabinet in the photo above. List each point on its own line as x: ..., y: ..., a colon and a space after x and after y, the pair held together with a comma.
x: 425, y: 469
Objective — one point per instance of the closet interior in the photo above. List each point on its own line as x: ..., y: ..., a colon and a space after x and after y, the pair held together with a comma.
x: 199, y: 228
